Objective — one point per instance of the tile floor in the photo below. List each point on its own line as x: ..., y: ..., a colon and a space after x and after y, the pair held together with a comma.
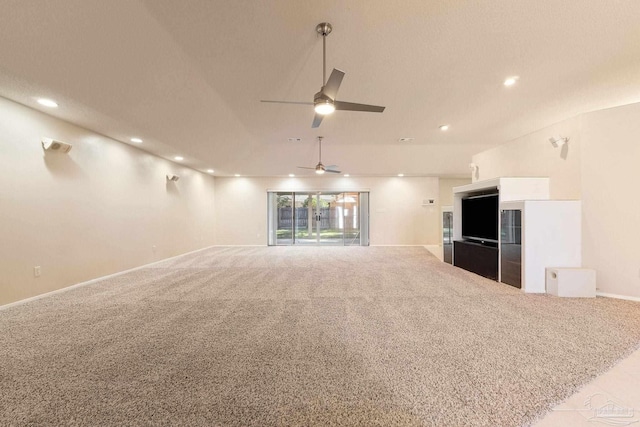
x: 613, y: 398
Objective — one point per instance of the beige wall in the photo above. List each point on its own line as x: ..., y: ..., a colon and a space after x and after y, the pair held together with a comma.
x: 533, y: 155
x: 599, y: 165
x: 97, y: 210
x: 397, y: 216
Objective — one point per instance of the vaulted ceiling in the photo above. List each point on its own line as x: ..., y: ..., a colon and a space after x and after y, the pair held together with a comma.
x: 187, y: 76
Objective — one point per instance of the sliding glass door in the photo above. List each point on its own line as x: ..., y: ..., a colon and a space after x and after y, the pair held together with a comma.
x: 318, y: 218
x: 307, y: 221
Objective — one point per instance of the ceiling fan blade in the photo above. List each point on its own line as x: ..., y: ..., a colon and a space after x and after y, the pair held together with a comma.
x: 352, y: 106
x: 334, y: 167
x: 332, y: 171
x: 317, y: 119
x: 287, y: 102
x: 333, y: 84
x: 304, y: 167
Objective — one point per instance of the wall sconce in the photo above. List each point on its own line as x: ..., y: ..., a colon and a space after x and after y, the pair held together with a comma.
x: 50, y: 144
x: 173, y: 178
x: 558, y: 141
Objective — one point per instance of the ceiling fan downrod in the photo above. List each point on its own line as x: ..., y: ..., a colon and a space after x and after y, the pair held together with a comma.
x: 324, y: 29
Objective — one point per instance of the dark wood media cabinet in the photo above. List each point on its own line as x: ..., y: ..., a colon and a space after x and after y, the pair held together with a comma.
x: 477, y: 258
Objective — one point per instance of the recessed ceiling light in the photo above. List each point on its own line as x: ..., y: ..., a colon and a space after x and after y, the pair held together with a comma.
x: 444, y: 127
x: 400, y: 174
x: 291, y: 175
x: 136, y: 140
x: 405, y: 139
x: 347, y: 175
x: 510, y: 81
x: 237, y: 174
x: 178, y: 158
x: 210, y: 170
x: 47, y: 102
x: 294, y: 139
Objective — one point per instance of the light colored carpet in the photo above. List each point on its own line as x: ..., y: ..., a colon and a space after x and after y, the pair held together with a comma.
x: 263, y: 336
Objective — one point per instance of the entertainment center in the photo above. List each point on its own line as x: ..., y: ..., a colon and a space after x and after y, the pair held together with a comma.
x: 507, y: 229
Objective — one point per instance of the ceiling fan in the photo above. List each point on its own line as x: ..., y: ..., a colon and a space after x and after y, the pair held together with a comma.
x: 324, y: 102
x: 320, y: 168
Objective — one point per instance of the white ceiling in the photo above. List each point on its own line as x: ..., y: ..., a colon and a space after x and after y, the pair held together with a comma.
x: 187, y: 76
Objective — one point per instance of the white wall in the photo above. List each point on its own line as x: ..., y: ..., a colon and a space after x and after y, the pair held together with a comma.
x: 97, y: 210
x: 611, y: 198
x: 446, y: 188
x: 533, y: 155
x: 599, y: 166
x: 397, y: 216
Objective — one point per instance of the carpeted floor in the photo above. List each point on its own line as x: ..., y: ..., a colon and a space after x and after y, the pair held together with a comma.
x: 264, y: 336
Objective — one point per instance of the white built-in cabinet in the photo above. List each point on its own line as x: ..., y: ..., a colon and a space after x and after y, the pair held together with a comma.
x: 549, y: 234
x: 551, y: 237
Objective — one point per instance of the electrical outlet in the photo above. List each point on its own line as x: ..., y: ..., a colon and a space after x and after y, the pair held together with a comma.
x: 36, y: 271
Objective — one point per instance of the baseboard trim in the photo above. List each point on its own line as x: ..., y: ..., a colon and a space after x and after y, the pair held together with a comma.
x: 608, y: 295
x: 436, y: 251
x: 97, y: 279
x: 239, y: 246
x: 401, y: 245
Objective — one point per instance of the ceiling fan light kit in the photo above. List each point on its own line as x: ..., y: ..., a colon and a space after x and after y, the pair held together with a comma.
x: 324, y: 102
x: 324, y: 107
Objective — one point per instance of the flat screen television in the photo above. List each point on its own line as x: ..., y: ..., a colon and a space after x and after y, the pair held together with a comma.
x: 480, y: 218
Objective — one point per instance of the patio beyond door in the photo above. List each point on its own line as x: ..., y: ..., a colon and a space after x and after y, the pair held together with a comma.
x: 318, y: 218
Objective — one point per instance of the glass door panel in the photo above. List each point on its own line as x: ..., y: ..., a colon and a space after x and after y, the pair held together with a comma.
x: 363, y: 206
x: 305, y: 230
x: 272, y: 218
x: 511, y: 248
x: 328, y: 211
x: 447, y: 236
x: 284, y: 231
x: 350, y: 218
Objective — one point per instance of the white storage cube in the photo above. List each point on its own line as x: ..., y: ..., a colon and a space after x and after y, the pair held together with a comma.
x: 571, y: 282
